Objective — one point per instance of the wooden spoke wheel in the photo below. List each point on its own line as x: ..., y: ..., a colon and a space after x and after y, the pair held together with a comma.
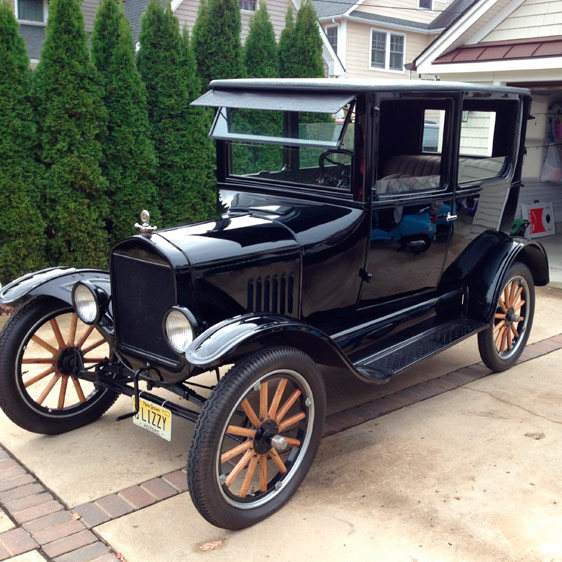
x: 503, y: 342
x: 41, y: 345
x: 256, y: 437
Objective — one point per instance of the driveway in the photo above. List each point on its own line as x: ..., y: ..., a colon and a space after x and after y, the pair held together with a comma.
x: 446, y: 462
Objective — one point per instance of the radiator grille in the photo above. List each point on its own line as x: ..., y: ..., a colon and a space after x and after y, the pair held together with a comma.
x: 142, y: 292
x: 272, y: 293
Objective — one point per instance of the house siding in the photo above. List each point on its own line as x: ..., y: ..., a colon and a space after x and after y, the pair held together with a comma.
x: 405, y: 10
x: 187, y: 13
x: 534, y: 18
x: 89, y: 8
x: 359, y: 46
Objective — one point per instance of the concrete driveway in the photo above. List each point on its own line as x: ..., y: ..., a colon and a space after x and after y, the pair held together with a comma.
x: 445, y: 463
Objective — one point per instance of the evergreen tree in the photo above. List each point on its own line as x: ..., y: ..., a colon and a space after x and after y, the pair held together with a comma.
x: 260, y: 50
x: 287, y: 53
x: 128, y: 153
x: 21, y: 234
x: 70, y: 117
x: 261, y: 61
x: 217, y: 41
x: 301, y: 48
x: 202, y: 36
x: 308, y: 43
x: 179, y: 133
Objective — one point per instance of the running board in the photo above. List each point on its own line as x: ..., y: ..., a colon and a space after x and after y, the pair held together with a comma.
x: 380, y: 365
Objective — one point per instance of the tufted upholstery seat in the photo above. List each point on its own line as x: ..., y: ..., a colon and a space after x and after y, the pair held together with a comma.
x: 412, y: 165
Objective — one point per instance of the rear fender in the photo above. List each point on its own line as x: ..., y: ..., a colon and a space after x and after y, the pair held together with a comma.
x: 230, y: 339
x: 484, y: 282
x: 56, y: 282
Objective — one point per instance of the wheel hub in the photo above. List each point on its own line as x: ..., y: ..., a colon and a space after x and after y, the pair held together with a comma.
x: 511, y: 317
x: 68, y: 360
x: 262, y: 440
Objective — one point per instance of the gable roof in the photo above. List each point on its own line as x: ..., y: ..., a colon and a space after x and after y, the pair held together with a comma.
x: 134, y: 9
x: 452, y: 13
x: 326, y: 9
x: 473, y: 21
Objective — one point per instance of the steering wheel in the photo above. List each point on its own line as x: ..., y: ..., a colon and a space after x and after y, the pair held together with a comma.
x: 337, y: 175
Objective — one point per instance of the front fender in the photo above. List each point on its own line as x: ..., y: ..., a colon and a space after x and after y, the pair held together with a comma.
x: 234, y: 337
x: 54, y: 282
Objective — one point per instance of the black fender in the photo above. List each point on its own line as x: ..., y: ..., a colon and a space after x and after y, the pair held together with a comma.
x: 228, y: 340
x: 56, y: 282
x: 483, y: 265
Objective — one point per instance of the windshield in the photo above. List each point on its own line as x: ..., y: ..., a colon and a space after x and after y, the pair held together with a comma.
x: 290, y: 147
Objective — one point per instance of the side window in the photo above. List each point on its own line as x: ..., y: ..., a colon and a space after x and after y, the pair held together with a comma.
x: 489, y: 131
x: 487, y: 139
x: 411, y: 139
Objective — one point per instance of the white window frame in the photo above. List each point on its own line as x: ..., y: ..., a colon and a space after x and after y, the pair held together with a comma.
x: 244, y: 11
x: 337, y: 28
x: 423, y: 7
x: 31, y: 22
x: 387, y: 51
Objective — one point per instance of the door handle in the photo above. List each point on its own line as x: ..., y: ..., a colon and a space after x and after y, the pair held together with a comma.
x: 451, y: 218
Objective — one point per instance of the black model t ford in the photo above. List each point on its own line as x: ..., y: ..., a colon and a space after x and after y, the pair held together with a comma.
x: 364, y: 229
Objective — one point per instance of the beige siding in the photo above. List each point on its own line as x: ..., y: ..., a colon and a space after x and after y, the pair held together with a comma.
x: 89, y: 8
x: 475, y: 134
x: 534, y: 18
x: 404, y: 9
x: 187, y: 13
x: 359, y: 48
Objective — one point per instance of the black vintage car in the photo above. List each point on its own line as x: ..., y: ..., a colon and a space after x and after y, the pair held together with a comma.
x: 365, y: 228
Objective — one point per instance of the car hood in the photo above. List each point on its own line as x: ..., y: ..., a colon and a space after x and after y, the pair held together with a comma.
x: 229, y: 239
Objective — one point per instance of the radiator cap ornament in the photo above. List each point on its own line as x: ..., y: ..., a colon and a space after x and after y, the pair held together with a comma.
x: 144, y: 228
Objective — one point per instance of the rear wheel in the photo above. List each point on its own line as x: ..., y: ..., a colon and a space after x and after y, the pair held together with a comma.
x: 256, y: 437
x: 502, y: 343
x: 39, y: 347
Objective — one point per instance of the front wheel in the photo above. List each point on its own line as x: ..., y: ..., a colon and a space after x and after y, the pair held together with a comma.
x: 256, y: 437
x: 502, y: 343
x: 38, y: 349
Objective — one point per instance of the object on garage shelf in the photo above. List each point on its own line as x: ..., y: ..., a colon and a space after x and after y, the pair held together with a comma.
x: 541, y: 217
x: 552, y: 167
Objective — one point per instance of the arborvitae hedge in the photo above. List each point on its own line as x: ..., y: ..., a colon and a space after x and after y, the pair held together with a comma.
x: 287, y: 40
x: 201, y: 38
x: 308, y: 43
x: 128, y: 160
x: 260, y: 50
x: 217, y: 41
x: 70, y: 117
x: 261, y: 61
x: 300, y: 45
x: 21, y: 226
x: 183, y: 171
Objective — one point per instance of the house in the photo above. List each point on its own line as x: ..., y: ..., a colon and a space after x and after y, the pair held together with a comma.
x: 32, y: 17
x: 380, y: 39
x: 514, y: 43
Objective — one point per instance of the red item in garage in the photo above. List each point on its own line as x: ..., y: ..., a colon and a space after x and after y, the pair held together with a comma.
x: 541, y: 218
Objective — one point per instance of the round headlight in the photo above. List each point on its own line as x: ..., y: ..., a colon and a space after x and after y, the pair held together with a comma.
x: 85, y: 303
x: 178, y: 327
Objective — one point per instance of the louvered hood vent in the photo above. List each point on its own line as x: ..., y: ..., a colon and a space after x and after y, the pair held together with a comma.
x: 272, y: 293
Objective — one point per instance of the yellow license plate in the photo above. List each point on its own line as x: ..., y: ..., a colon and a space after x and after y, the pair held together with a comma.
x: 154, y: 418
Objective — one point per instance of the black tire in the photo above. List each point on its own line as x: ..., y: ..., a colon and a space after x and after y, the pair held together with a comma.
x: 219, y: 491
x: 44, y: 397
x: 502, y: 343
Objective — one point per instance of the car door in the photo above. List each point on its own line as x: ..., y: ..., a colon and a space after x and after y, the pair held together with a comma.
x: 412, y: 213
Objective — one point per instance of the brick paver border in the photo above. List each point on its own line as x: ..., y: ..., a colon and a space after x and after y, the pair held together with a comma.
x: 43, y: 523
